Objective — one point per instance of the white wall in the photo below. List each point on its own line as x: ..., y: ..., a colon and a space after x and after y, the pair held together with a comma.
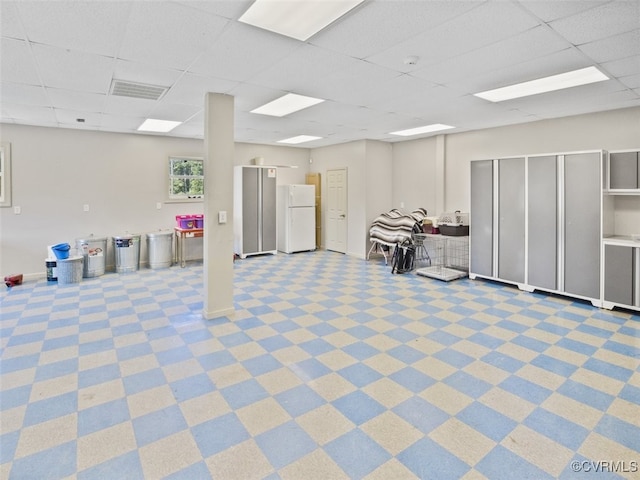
x: 379, y: 185
x: 120, y: 176
x: 414, y: 175
x: 612, y: 130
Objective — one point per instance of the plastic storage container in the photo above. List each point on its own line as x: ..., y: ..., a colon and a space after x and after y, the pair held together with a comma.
x: 160, y: 249
x: 127, y: 253
x: 199, y: 221
x: 69, y: 270
x: 185, y: 221
x: 94, y: 251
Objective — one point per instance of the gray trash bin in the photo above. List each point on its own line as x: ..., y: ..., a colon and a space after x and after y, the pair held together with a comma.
x: 94, y: 251
x: 126, y: 250
x: 160, y: 249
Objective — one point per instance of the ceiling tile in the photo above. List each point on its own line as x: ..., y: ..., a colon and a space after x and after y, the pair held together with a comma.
x: 16, y: 62
x: 72, y: 70
x: 487, y: 23
x: 10, y: 24
x: 613, y: 48
x: 558, y: 62
x: 304, y: 68
x: 631, y: 81
x: 30, y: 113
x: 24, y: 94
x: 190, y: 89
x: 624, y: 66
x: 80, y: 101
x: 537, y: 42
x: 242, y: 52
x: 175, y: 112
x: 231, y: 9
x: 154, y: 36
x: 69, y: 118
x: 92, y: 27
x: 555, y: 9
x: 600, y: 22
x: 376, y: 25
x: 129, y: 107
x: 120, y: 123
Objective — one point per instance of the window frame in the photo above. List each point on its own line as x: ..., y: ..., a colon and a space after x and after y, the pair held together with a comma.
x: 183, y: 198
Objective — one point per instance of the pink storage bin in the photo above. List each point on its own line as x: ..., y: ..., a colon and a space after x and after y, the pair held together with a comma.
x: 199, y: 221
x: 185, y: 221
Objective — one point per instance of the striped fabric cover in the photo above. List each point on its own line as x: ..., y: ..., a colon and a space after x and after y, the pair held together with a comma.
x: 394, y: 227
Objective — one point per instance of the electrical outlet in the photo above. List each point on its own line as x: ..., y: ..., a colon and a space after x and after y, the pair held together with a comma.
x: 17, y: 210
x: 158, y: 205
x: 85, y: 207
x: 222, y: 217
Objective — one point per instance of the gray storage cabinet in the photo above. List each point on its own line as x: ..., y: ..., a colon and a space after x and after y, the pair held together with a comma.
x: 542, y: 222
x: 619, y: 274
x: 582, y: 225
x: 536, y: 221
x: 255, y: 225
x: 481, y: 221
x: 511, y: 220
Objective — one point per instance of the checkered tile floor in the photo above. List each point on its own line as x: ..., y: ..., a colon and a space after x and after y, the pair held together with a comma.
x: 332, y: 368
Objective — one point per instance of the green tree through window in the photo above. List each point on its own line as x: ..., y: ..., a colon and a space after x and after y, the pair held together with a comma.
x: 186, y: 177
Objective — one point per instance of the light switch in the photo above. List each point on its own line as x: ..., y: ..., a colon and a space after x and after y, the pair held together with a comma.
x: 85, y: 207
x: 17, y: 210
x: 158, y: 205
x: 222, y: 217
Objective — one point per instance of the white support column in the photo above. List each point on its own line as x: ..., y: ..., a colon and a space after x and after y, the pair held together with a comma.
x: 218, y: 187
x: 441, y: 177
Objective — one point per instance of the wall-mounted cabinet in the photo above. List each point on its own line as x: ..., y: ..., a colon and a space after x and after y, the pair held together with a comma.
x: 536, y: 221
x: 624, y: 172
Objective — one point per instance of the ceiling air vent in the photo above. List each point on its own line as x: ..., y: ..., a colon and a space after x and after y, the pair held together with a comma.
x: 137, y: 90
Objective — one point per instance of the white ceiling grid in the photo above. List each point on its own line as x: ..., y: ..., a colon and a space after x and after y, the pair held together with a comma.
x: 59, y: 58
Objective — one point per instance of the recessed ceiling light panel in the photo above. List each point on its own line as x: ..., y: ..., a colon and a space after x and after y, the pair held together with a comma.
x: 561, y: 81
x: 436, y: 127
x: 299, y: 139
x: 154, y: 125
x: 287, y: 104
x: 296, y: 19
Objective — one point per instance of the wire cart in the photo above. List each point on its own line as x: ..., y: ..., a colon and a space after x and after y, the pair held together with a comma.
x: 446, y: 257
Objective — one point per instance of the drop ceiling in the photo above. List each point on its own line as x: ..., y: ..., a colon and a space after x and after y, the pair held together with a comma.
x: 59, y: 60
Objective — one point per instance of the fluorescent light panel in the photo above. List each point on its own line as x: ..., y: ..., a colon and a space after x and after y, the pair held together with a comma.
x: 436, y: 127
x: 153, y: 125
x: 296, y: 19
x: 299, y: 139
x: 561, y: 81
x: 287, y: 104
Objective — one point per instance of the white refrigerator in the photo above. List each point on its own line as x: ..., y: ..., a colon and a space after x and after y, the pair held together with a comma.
x: 296, y: 218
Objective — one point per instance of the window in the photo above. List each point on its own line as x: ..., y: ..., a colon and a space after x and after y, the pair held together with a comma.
x: 186, y: 178
x: 5, y: 175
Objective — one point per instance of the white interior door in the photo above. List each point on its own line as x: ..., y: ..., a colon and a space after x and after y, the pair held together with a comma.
x: 337, y: 210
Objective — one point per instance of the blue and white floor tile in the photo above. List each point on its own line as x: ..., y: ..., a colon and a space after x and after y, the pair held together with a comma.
x: 331, y: 368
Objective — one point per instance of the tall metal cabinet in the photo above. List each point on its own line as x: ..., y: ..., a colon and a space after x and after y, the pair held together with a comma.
x: 536, y: 222
x: 254, y: 210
